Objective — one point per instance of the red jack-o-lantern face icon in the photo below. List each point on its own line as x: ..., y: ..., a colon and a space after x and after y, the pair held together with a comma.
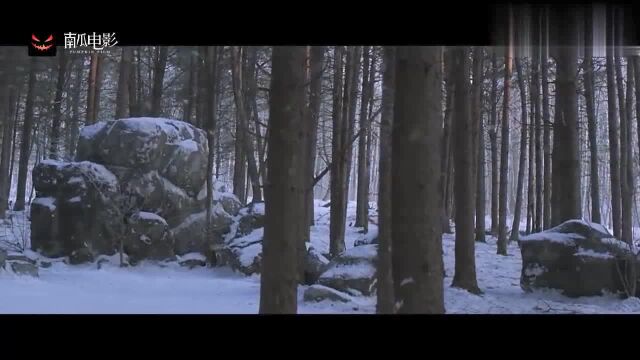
x: 42, y: 45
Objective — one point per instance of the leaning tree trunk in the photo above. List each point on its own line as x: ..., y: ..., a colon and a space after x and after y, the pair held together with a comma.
x: 504, y: 154
x: 285, y: 188
x: 25, y: 144
x: 463, y: 149
x: 416, y: 231
x: 515, y: 228
x: 91, y: 90
x: 385, y: 295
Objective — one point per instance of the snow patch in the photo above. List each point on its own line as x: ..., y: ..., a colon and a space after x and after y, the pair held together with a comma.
x: 567, y: 239
x: 48, y: 202
x: 192, y: 256
x: 352, y: 271
x: 90, y: 131
x: 593, y: 254
x: 143, y: 215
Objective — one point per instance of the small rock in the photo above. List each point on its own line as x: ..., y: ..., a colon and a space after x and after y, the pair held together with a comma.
x: 80, y: 256
x: 24, y: 268
x: 3, y: 257
x: 45, y: 264
x: 319, y: 293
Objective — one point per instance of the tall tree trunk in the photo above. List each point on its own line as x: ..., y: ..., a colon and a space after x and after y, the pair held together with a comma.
x: 315, y: 99
x: 190, y: 90
x: 504, y: 150
x: 636, y: 73
x: 285, y: 188
x: 531, y: 199
x: 535, y: 97
x: 478, y: 80
x: 239, y: 164
x: 565, y: 195
x: 237, y: 55
x: 546, y: 118
x: 159, y: 67
x: 57, y: 107
x: 493, y: 141
x: 349, y: 112
x: 91, y: 90
x: 515, y: 228
x: 446, y: 168
x: 385, y: 295
x: 211, y: 66
x: 25, y: 144
x: 337, y: 215
x: 465, y: 266
x: 629, y: 156
x: 122, y: 95
x: 416, y: 231
x: 8, y: 105
x: 362, y: 206
x: 75, y: 110
x: 98, y: 87
x: 614, y: 152
x: 134, y: 79
x: 591, y: 119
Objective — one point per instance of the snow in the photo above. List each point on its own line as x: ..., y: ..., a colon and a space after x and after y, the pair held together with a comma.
x: 192, y: 256
x: 595, y: 226
x: 74, y: 199
x: 143, y: 215
x: 251, y: 238
x: 567, y: 239
x: 188, y: 145
x: 91, y: 131
x: 160, y: 288
x: 100, y: 173
x: 249, y: 253
x: 352, y: 271
x: 48, y: 202
x: 591, y: 253
x: 258, y: 208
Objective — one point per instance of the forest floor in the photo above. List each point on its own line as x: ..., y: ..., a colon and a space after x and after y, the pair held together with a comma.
x: 152, y: 288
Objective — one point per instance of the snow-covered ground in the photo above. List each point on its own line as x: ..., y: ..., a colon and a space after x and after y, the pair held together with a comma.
x: 169, y: 288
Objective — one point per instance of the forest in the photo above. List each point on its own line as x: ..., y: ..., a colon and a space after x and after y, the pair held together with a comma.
x: 384, y: 179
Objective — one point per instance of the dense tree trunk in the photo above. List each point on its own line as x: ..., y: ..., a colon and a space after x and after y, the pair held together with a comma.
x: 416, y: 231
x: 463, y: 149
x: 285, y: 188
x: 531, y: 193
x: 385, y: 295
x: 591, y: 119
x: 515, y: 228
x: 190, y: 89
x: 239, y: 164
x: 504, y: 153
x: 159, y: 66
x: 565, y: 195
x: 636, y: 74
x: 493, y: 141
x: 25, y: 143
x: 362, y: 206
x: 627, y: 219
x: 614, y: 152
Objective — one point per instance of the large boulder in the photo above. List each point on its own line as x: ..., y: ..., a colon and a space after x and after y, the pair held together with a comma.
x: 577, y: 258
x: 134, y: 179
x: 318, y: 293
x: 314, y: 265
x: 244, y: 254
x: 190, y: 235
x: 80, y: 211
x: 141, y: 143
x: 353, y: 271
x: 251, y: 217
x: 148, y: 237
